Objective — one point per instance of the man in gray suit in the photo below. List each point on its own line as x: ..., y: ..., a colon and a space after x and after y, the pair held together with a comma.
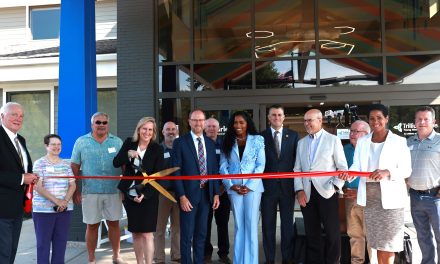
x: 317, y: 196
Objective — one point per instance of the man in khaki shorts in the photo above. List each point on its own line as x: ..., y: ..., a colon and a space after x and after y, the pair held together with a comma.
x: 94, y: 153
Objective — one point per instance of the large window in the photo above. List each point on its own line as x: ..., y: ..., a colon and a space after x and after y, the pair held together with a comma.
x: 266, y: 44
x: 36, y: 122
x: 45, y: 23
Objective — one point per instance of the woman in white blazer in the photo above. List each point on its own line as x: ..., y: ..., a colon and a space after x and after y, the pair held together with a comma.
x: 243, y: 152
x: 384, y: 192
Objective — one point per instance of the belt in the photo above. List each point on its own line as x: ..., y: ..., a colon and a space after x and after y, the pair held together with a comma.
x: 432, y: 191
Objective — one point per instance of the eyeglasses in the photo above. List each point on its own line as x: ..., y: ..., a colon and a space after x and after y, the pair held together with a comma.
x: 197, y: 120
x: 357, y: 131
x: 310, y: 120
x: 101, y: 122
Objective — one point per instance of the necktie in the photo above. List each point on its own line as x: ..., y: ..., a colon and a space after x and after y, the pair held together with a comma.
x: 202, y: 160
x: 276, y: 141
x: 19, y: 151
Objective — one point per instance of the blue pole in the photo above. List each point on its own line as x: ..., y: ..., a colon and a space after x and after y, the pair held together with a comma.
x: 77, y: 73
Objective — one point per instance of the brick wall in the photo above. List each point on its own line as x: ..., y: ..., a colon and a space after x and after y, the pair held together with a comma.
x: 135, y: 63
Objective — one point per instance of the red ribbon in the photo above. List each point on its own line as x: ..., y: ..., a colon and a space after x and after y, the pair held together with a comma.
x: 28, y: 202
x: 280, y: 175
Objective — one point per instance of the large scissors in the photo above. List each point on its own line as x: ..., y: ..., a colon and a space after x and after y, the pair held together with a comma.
x: 152, y: 182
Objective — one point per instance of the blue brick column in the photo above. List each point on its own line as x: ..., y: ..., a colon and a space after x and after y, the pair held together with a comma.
x: 77, y: 75
x: 77, y: 83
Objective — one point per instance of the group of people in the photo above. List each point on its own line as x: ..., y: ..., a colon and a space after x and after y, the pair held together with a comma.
x: 374, y: 204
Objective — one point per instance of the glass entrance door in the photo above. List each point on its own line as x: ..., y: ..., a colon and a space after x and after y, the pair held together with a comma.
x: 219, y: 109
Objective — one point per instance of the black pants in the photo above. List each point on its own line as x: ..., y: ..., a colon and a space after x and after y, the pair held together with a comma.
x: 326, y: 212
x: 222, y: 221
x: 269, y: 204
x: 10, y: 229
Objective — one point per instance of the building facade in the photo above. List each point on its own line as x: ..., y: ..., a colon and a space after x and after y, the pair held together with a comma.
x: 223, y: 56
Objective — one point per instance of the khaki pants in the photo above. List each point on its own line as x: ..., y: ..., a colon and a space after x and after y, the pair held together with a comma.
x: 167, y: 209
x: 356, y: 231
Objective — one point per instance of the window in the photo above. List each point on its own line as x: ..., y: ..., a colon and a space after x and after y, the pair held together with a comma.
x: 45, y: 23
x: 36, y: 122
x: 107, y: 102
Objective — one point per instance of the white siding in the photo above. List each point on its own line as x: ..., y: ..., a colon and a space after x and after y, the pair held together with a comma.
x: 12, y: 25
x: 105, y: 12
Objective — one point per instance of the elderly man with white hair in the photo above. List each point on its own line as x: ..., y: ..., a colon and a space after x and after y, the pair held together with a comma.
x: 15, y: 175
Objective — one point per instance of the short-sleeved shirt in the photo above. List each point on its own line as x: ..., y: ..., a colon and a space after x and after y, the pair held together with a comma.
x: 55, y: 186
x: 425, y: 161
x: 349, y: 153
x: 96, y: 159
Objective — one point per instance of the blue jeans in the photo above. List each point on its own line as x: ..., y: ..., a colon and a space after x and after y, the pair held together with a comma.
x: 425, y: 211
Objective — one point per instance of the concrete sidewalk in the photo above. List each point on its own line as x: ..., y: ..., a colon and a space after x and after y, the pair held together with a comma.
x: 76, y: 252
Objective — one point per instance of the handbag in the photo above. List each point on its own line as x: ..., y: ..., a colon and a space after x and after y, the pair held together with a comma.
x: 405, y: 256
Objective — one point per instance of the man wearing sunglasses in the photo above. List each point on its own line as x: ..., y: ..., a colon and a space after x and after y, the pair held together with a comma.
x: 94, y: 153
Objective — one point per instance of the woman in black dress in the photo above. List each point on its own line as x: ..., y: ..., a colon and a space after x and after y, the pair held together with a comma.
x: 141, y: 153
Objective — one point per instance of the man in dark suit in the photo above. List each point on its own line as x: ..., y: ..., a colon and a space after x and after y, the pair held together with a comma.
x: 195, y: 154
x: 15, y: 174
x: 280, y: 147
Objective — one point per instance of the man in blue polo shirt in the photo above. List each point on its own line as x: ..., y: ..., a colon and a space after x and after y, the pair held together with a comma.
x: 355, y: 213
x: 93, y: 153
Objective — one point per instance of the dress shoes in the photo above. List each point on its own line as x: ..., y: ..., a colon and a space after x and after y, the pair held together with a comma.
x: 225, y: 259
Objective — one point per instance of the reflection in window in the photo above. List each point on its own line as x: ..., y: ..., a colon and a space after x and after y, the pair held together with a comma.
x: 45, y: 23
x: 220, y: 29
x: 176, y: 110
x: 413, y: 69
x: 174, y: 27
x: 107, y: 102
x: 174, y: 78
x: 411, y: 25
x: 351, y: 71
x: 222, y: 76
x: 284, y: 28
x: 286, y: 74
x: 36, y: 123
x: 349, y: 27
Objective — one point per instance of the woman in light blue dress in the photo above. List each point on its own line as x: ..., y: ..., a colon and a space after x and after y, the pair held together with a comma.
x: 243, y: 152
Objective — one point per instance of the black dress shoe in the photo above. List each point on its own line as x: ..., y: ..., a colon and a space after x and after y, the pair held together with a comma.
x: 225, y: 259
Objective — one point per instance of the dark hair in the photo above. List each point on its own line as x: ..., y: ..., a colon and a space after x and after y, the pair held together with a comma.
x: 47, y: 138
x: 229, y: 139
x: 276, y: 106
x: 426, y: 109
x: 378, y: 107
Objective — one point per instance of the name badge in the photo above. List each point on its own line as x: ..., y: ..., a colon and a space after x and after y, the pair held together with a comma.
x: 166, y: 155
x: 112, y: 150
x: 50, y: 169
x: 217, y: 151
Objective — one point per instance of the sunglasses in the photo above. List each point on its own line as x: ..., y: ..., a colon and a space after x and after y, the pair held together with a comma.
x: 101, y: 122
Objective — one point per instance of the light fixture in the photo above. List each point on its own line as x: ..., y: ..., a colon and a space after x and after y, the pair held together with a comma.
x: 260, y: 34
